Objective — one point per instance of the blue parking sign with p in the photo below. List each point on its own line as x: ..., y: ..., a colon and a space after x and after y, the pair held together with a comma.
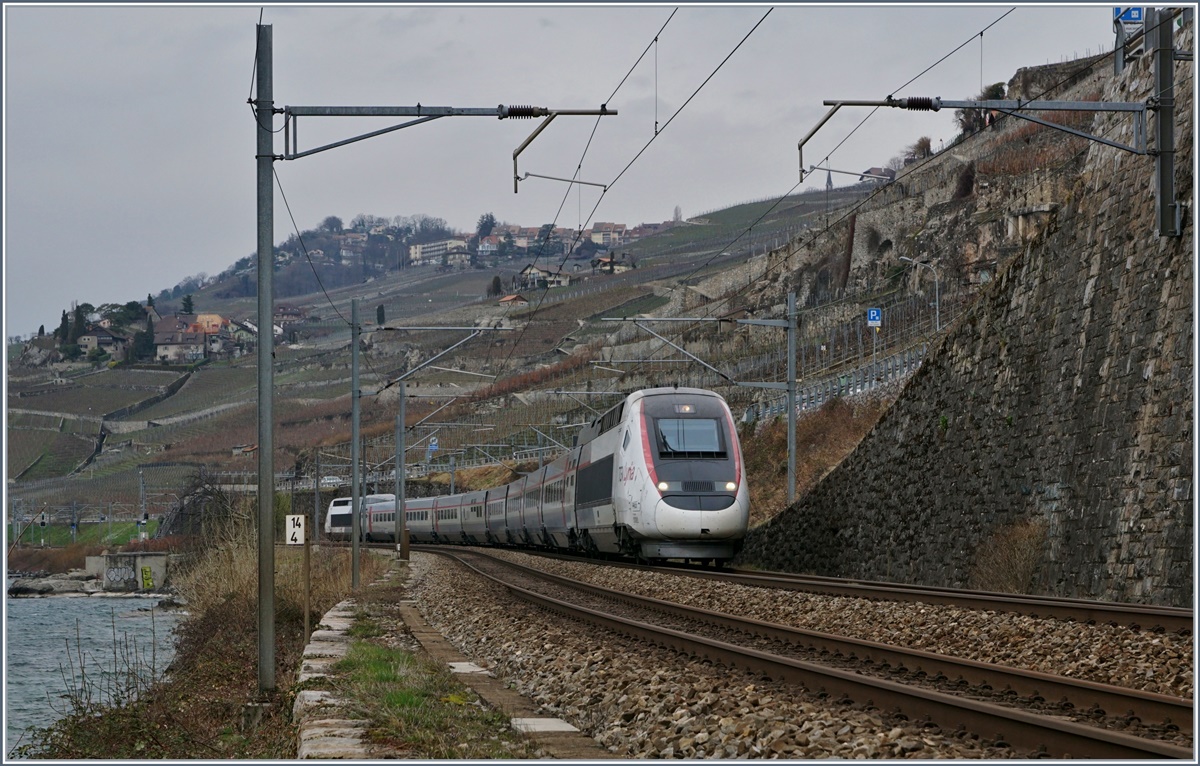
x: 874, y: 317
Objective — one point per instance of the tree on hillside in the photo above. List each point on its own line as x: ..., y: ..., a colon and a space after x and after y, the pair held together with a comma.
x: 64, y: 328
x: 678, y: 214
x: 379, y: 315
x: 971, y: 120
x: 332, y: 224
x: 143, y: 344
x: 364, y: 222
x: 78, y: 325
x: 922, y: 148
x: 507, y: 246
x: 188, y: 306
x: 487, y: 222
x: 149, y: 300
x: 41, y: 331
x: 496, y: 288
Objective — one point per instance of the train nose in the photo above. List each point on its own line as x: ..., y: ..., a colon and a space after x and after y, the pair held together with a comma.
x: 721, y: 522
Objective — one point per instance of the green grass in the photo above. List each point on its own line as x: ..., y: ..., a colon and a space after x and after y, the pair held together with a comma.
x: 57, y: 533
x: 417, y: 706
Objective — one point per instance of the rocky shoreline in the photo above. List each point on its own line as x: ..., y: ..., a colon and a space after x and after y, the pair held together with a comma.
x: 78, y: 583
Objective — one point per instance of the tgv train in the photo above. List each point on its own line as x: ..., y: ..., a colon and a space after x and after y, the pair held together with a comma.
x: 658, y: 476
x: 339, y: 517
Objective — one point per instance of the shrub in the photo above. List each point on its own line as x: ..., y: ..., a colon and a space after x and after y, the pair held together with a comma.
x: 966, y: 182
x: 1008, y: 560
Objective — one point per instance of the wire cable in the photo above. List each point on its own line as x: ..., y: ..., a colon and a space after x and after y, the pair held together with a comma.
x: 831, y: 225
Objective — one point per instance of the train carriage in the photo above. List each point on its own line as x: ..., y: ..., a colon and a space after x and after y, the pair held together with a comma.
x: 494, y: 510
x: 418, y: 515
x: 474, y: 524
x: 555, y: 525
x: 447, y: 521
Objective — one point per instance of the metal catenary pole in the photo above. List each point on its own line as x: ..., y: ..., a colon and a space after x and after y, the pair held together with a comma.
x: 401, y: 520
x: 263, y: 115
x: 316, y: 525
x: 354, y: 396
x: 791, y: 392
x: 264, y: 110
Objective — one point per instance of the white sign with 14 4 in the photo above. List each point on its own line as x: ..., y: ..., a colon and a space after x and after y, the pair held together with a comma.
x: 294, y: 529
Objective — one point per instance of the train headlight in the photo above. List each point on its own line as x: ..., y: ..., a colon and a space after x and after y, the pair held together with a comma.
x: 662, y: 486
x: 731, y: 486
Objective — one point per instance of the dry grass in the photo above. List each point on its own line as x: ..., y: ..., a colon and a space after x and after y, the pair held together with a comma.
x: 1008, y: 560
x: 196, y: 711
x: 823, y: 439
x: 228, y: 569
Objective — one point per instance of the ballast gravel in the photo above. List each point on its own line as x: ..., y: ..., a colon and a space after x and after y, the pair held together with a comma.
x: 1107, y: 654
x: 638, y: 700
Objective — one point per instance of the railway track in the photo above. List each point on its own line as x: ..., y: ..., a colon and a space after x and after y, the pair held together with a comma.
x: 1138, y: 616
x: 1033, y: 712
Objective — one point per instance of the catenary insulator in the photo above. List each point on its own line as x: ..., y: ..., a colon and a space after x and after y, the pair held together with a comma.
x: 523, y: 112
x: 923, y: 104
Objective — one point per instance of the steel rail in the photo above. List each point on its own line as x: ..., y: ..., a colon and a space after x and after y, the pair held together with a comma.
x: 1039, y: 733
x: 1149, y: 616
x: 1170, y: 619
x: 1037, y: 685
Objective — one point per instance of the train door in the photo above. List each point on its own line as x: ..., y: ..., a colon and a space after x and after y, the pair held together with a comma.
x: 531, y: 516
x: 494, y: 514
x: 569, y: 518
x: 473, y: 522
x: 514, y: 507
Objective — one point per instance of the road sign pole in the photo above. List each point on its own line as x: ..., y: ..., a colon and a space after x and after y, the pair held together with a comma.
x: 307, y: 589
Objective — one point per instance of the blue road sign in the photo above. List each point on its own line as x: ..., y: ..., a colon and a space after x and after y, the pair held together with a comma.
x: 874, y: 317
x: 433, y: 444
x: 1128, y: 15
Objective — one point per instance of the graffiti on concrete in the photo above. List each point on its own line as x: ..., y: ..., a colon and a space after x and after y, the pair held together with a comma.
x: 119, y: 574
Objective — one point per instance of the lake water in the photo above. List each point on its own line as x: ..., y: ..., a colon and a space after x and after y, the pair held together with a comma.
x: 38, y: 633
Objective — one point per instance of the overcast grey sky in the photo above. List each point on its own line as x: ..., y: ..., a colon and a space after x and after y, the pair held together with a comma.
x: 129, y: 144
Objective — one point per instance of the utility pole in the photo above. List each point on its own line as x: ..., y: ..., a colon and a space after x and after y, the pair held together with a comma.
x: 354, y: 397
x: 791, y: 325
x: 316, y: 525
x: 264, y: 111
x: 401, y: 520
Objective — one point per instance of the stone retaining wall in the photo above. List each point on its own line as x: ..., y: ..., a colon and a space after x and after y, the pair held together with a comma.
x: 1061, y: 402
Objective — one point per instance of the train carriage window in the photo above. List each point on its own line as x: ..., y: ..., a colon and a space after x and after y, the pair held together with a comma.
x: 625, y: 443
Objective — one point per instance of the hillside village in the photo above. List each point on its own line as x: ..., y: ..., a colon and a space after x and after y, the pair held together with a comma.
x: 109, y: 334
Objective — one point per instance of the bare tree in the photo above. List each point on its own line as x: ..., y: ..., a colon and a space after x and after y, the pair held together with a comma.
x: 922, y: 148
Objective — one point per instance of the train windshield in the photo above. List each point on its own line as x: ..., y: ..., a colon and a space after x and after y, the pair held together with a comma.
x: 689, y: 437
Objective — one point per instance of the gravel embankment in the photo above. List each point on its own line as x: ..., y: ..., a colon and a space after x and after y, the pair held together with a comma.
x: 1154, y: 662
x: 642, y: 701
